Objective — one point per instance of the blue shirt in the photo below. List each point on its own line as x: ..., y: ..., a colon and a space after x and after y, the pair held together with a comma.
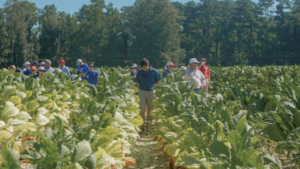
x: 65, y: 69
x: 48, y: 70
x: 147, y: 79
x: 166, y: 73
x: 27, y: 72
x: 36, y: 76
x: 84, y: 68
x: 91, y: 77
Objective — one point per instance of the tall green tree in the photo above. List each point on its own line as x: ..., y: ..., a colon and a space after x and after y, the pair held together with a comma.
x: 154, y: 26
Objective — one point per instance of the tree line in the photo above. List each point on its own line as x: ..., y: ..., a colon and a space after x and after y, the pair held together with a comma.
x: 225, y: 32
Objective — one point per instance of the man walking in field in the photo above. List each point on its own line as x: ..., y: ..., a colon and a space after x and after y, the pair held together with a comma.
x: 195, y: 76
x: 204, y: 69
x: 145, y: 79
x: 170, y: 67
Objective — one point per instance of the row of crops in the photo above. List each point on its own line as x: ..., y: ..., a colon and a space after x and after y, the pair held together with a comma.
x: 53, y: 122
x: 250, y: 119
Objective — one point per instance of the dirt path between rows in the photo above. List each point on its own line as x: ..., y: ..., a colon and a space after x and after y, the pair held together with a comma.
x: 148, y: 155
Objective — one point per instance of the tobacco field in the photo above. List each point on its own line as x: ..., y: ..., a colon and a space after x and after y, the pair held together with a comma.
x: 250, y: 119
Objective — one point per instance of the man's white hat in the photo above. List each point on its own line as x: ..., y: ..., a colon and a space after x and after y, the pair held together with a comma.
x: 182, y: 68
x: 27, y: 63
x: 78, y: 62
x: 194, y: 60
x: 41, y: 68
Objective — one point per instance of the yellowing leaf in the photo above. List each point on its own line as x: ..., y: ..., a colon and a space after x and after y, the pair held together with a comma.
x: 28, y: 94
x: 27, y: 126
x: 15, y: 100
x: 22, y: 107
x: 31, y: 106
x: 137, y: 121
x: 99, y: 152
x: 4, y: 135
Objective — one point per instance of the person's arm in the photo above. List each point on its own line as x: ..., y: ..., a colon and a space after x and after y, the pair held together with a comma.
x: 138, y: 85
x: 68, y: 72
x: 157, y: 78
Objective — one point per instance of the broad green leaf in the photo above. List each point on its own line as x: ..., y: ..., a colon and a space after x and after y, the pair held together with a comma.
x: 50, y: 159
x: 188, y: 161
x: 47, y: 146
x: 101, y: 141
x: 220, y: 150
x: 28, y: 155
x: 9, y: 159
x: 276, y: 163
x: 251, y: 158
x: 82, y: 150
x: 241, y: 125
x: 91, y: 162
x: 234, y: 139
x: 275, y: 133
x: 271, y: 106
x: 8, y: 91
x: 28, y: 94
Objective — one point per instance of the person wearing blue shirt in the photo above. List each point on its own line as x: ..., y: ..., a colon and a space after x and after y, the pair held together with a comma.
x: 48, y: 67
x: 145, y: 79
x: 63, y: 67
x: 170, y: 67
x: 82, y: 66
x: 91, y: 75
x: 26, y: 70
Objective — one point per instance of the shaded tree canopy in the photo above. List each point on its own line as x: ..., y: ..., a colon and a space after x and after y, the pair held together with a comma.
x: 224, y: 32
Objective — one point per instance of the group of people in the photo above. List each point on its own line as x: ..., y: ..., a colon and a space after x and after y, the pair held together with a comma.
x: 146, y: 77
x: 39, y: 69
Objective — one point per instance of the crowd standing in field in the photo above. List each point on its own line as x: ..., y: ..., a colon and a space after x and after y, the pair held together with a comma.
x: 144, y: 76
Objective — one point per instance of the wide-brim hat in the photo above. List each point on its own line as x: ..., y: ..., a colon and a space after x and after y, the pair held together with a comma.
x: 41, y: 69
x: 133, y: 66
x: 194, y: 60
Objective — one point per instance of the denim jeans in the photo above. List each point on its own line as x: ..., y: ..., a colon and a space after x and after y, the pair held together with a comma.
x: 197, y: 91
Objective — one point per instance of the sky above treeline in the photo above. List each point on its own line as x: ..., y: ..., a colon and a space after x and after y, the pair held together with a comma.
x: 72, y: 6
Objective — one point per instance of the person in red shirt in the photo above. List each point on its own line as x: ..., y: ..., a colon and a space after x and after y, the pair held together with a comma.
x: 204, y: 69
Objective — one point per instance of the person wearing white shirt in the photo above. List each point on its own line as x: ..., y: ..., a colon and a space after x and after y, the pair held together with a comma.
x: 195, y: 76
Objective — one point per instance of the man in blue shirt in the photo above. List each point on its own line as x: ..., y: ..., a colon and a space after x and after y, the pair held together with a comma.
x: 26, y: 70
x: 91, y: 75
x: 170, y: 67
x: 145, y: 79
x: 63, y: 67
x: 82, y: 66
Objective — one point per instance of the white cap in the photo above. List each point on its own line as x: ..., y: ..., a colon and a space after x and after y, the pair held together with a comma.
x: 27, y: 63
x: 78, y: 62
x: 182, y: 68
x: 194, y: 60
x: 133, y: 66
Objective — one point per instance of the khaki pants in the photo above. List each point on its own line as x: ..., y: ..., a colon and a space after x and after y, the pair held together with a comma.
x: 146, y: 98
x: 206, y: 87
